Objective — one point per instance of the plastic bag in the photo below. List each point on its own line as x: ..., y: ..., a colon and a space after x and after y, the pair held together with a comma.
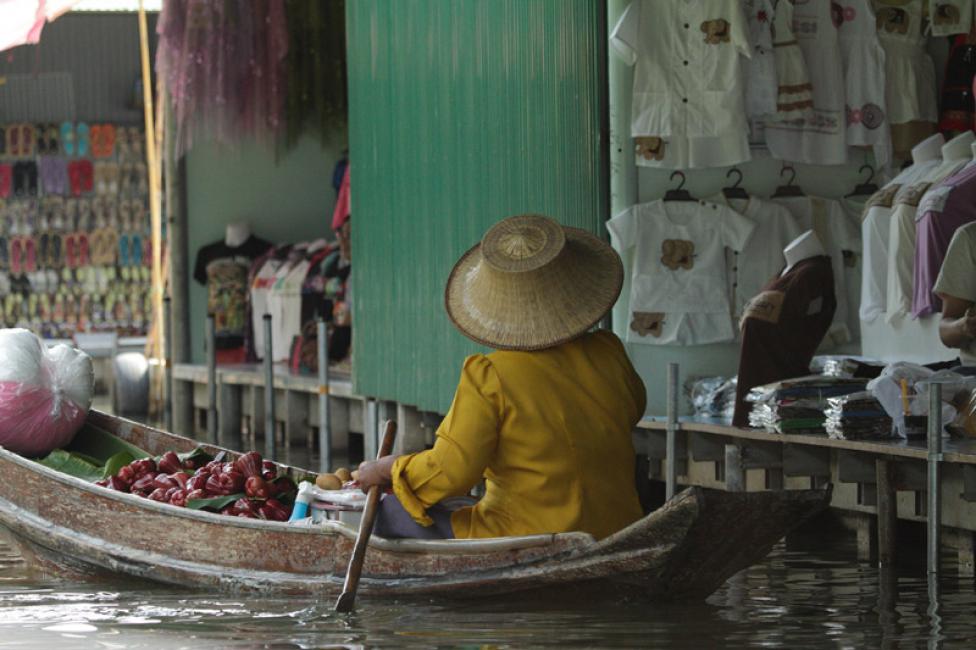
x: 44, y: 394
x: 887, y: 390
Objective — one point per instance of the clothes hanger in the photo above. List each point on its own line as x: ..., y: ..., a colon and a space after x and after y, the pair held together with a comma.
x: 788, y: 190
x: 679, y: 193
x: 734, y: 191
x: 865, y: 189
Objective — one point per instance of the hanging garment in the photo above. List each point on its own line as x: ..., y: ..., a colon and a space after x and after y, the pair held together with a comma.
x: 752, y: 267
x: 901, y: 239
x: 950, y: 17
x: 688, y: 83
x: 864, y: 80
x: 876, y: 227
x: 909, y: 72
x: 760, y: 70
x: 819, y: 139
x: 946, y: 208
x: 782, y: 327
x: 679, y: 286
x: 794, y: 96
x: 261, y: 283
x: 958, y: 109
x: 853, y: 207
x: 957, y: 278
x: 838, y: 234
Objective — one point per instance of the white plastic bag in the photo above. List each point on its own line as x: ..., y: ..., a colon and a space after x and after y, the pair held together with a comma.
x: 44, y: 394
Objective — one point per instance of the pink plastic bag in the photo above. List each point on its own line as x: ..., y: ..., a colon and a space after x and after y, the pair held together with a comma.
x: 44, y: 394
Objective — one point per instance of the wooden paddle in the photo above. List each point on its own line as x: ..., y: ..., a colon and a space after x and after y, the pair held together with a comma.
x: 348, y: 597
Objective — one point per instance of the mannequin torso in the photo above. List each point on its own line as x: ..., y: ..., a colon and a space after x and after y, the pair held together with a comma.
x: 237, y: 233
x: 803, y: 247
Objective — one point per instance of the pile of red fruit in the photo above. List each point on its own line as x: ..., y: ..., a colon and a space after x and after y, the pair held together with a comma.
x: 169, y: 480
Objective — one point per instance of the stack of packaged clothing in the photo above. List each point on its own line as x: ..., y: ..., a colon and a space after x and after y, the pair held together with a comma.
x: 714, y: 397
x: 846, y: 366
x: 798, y: 405
x: 858, y: 416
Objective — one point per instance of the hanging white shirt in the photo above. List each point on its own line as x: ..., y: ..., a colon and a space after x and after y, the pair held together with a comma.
x: 687, y: 77
x: 876, y: 227
x: 901, y: 237
x: 820, y: 138
x: 837, y: 233
x: 679, y: 284
x: 949, y: 17
x: 260, y: 290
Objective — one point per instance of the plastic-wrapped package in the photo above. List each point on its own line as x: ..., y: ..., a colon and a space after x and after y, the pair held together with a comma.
x: 858, y: 416
x: 44, y: 394
x: 797, y: 405
x: 887, y: 389
x: 714, y: 397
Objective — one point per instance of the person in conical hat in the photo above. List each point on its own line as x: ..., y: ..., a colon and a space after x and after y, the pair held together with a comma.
x: 545, y: 419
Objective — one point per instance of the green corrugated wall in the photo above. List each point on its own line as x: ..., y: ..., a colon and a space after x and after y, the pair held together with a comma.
x: 461, y: 112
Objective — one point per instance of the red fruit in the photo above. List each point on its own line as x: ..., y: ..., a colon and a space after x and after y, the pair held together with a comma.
x: 165, y: 482
x: 159, y: 494
x: 247, y: 515
x: 126, y: 474
x: 178, y: 498
x: 170, y: 463
x: 117, y: 484
x: 285, y: 485
x: 245, y: 505
x: 274, y: 510
x: 214, y: 487
x: 256, y: 488
x: 197, y: 482
x: 140, y: 493
x: 143, y: 466
x: 249, y: 464
x: 146, y: 483
x: 228, y: 510
x: 180, y: 478
x: 269, y: 470
x: 189, y: 463
x: 213, y: 466
x: 199, y: 493
x: 227, y: 467
x: 232, y: 481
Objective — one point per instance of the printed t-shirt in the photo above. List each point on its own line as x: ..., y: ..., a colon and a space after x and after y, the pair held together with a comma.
x: 759, y: 261
x: 958, y: 277
x: 782, y: 328
x: 224, y: 271
x: 945, y: 209
x: 688, y: 82
x: 876, y: 227
x: 901, y: 239
x: 679, y: 285
x: 837, y: 233
x: 260, y: 290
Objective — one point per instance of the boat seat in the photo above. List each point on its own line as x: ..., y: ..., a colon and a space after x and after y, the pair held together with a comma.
x: 484, y: 545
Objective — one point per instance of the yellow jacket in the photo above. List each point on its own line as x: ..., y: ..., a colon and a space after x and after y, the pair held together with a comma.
x: 550, y: 432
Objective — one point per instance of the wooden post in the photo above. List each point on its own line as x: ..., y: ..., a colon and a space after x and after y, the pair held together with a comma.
x: 735, y: 473
x: 325, y: 424
x: 410, y: 435
x: 211, y: 380
x: 370, y: 424
x: 269, y: 393
x: 934, y: 514
x: 230, y: 416
x: 887, y: 512
x: 671, y: 467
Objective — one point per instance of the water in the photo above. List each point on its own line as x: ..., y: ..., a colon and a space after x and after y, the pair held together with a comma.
x: 811, y: 595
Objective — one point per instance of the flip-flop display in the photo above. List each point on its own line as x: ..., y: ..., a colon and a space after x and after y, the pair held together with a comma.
x: 74, y: 228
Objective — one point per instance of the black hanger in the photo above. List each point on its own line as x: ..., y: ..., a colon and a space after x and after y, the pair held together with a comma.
x: 679, y: 193
x: 865, y: 189
x: 789, y: 189
x: 734, y: 191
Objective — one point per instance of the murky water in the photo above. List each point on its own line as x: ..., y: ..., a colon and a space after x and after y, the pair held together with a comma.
x: 809, y: 596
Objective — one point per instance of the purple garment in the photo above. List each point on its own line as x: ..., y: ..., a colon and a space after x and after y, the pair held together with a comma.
x: 54, y: 175
x: 946, y: 207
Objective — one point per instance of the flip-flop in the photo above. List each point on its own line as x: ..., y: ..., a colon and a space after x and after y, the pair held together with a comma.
x: 98, y: 175
x: 3, y: 140
x: 95, y: 140
x: 81, y: 242
x: 106, y: 141
x: 30, y: 254
x: 29, y: 182
x: 71, y: 250
x: 56, y: 251
x: 74, y: 177
x: 124, y: 259
x: 43, y: 248
x: 27, y: 140
x: 16, y: 254
x: 13, y: 140
x: 85, y: 172
x: 147, y: 253
x: 82, y: 139
x: 137, y: 250
x: 6, y: 179
x: 68, y: 138
x: 112, y: 177
x: 4, y: 254
x: 53, y: 139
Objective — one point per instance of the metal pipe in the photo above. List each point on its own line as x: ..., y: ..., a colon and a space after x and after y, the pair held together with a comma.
x: 934, y: 513
x: 167, y: 367
x: 211, y: 344
x: 370, y: 427
x: 269, y: 396
x: 671, y: 476
x: 325, y: 425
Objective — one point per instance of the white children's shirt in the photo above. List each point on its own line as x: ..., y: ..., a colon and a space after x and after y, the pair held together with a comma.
x: 761, y: 260
x: 901, y: 238
x: 679, y: 284
x: 762, y: 88
x: 948, y: 17
x: 687, y: 77
x: 876, y: 227
x: 260, y: 290
x: 827, y: 218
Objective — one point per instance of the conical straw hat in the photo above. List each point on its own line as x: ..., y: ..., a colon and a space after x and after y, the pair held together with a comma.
x: 532, y: 284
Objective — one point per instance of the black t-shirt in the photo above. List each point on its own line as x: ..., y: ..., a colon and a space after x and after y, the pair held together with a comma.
x: 223, y: 269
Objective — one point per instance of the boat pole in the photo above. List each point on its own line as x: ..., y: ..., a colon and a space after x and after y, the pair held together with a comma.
x: 167, y: 368
x: 325, y: 425
x: 269, y: 397
x: 211, y: 380
x: 935, y: 457
x: 671, y: 466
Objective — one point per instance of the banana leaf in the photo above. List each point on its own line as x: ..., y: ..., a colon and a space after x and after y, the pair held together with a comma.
x: 72, y: 465
x: 216, y: 502
x: 115, y: 463
x: 102, y: 445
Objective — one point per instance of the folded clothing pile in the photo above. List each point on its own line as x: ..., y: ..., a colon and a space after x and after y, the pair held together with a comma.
x: 798, y: 405
x: 714, y: 397
x: 858, y: 416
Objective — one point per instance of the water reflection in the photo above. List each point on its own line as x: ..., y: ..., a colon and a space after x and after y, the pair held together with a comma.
x: 808, y: 596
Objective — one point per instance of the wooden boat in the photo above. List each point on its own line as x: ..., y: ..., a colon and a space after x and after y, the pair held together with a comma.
x: 686, y: 548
